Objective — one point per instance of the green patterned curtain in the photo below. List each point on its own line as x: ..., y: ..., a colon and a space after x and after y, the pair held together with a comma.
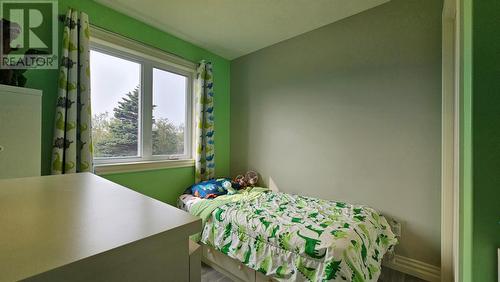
x: 72, y: 144
x: 204, y: 118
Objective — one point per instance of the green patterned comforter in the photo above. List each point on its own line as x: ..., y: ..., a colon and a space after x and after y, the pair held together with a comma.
x: 290, y: 237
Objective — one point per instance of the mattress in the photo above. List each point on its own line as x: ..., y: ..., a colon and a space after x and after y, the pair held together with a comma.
x: 296, y: 238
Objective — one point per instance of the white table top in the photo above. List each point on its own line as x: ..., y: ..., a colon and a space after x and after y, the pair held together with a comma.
x: 50, y: 221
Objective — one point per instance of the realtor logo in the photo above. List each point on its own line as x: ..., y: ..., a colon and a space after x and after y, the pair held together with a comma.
x: 28, y: 34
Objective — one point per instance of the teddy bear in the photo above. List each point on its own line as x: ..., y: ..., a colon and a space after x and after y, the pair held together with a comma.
x: 250, y: 179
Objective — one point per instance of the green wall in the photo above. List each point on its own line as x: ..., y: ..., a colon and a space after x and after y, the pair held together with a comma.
x: 486, y: 138
x: 480, y: 140
x: 465, y: 253
x: 163, y: 184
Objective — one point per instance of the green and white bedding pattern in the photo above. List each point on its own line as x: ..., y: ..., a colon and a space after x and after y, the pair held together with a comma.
x: 296, y: 238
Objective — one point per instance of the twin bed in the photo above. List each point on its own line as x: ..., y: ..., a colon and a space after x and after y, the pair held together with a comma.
x: 293, y: 238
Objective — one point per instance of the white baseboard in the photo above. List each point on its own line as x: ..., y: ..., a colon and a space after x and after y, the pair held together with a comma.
x: 414, y: 267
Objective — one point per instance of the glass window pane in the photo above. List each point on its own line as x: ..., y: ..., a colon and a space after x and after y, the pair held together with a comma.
x: 169, y: 112
x: 116, y: 83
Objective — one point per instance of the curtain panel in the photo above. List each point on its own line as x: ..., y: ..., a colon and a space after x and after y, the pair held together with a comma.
x: 204, y: 123
x: 72, y: 142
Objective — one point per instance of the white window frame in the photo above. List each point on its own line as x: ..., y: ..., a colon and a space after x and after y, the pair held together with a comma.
x: 149, y: 58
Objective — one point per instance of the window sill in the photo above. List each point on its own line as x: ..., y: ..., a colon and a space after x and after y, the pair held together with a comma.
x: 102, y: 169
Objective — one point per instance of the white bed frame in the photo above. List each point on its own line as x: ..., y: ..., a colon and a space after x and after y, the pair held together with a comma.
x: 231, y: 268
x: 237, y: 271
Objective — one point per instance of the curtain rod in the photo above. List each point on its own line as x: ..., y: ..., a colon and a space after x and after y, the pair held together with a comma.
x: 178, y: 58
x: 62, y: 18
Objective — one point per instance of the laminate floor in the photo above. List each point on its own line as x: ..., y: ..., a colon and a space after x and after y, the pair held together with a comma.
x: 209, y: 274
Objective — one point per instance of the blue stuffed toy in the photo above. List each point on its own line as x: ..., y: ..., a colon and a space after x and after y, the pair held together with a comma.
x: 212, y: 188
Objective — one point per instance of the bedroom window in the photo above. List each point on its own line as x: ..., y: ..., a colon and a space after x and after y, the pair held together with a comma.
x: 141, y: 104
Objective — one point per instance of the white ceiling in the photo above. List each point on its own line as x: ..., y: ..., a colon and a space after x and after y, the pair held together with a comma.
x: 233, y: 28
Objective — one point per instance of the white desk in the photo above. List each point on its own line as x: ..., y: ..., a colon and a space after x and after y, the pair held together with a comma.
x: 82, y: 227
